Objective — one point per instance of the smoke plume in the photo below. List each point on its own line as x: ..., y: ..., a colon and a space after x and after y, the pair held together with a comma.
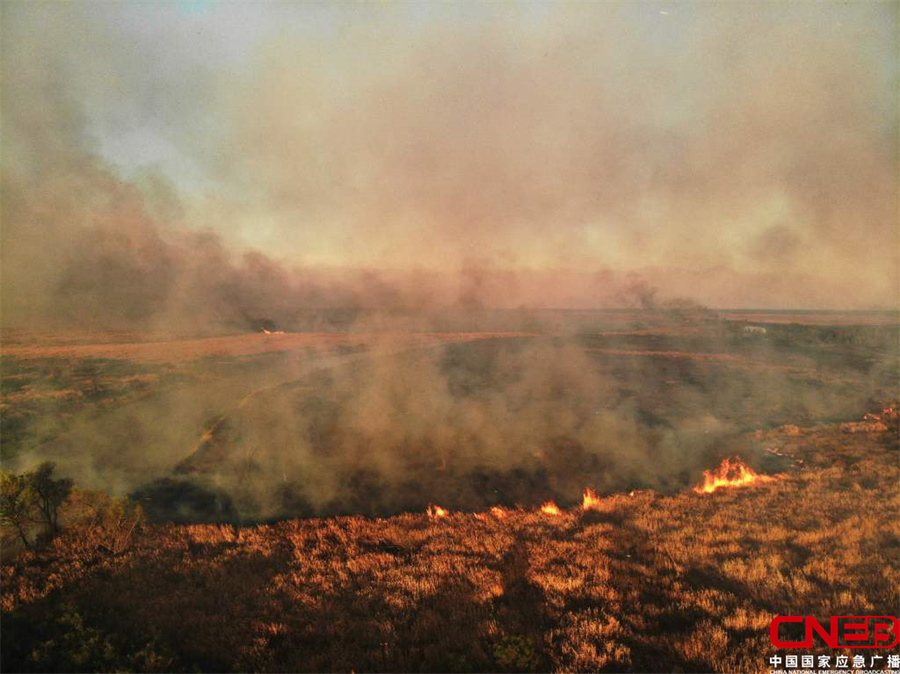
x: 180, y: 167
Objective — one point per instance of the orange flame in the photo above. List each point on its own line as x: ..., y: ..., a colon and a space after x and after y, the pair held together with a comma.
x: 434, y: 512
x: 590, y: 500
x: 550, y: 508
x: 730, y: 473
x: 495, y: 511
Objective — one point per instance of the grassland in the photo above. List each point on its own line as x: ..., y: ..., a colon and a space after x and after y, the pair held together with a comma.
x: 644, y: 583
x: 51, y: 384
x: 520, y: 419
x: 656, y: 577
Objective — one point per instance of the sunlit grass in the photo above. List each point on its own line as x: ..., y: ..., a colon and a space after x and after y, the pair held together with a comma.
x: 641, y: 582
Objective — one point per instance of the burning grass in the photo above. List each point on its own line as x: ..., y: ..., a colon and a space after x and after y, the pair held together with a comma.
x: 641, y: 582
x: 590, y: 500
x: 646, y: 580
x: 732, y: 472
x: 551, y: 509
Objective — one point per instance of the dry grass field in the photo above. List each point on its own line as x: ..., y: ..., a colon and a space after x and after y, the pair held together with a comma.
x: 640, y: 582
x: 231, y: 346
x: 447, y: 336
x: 200, y: 537
x: 51, y: 382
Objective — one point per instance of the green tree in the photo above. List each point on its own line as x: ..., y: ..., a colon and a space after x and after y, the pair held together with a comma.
x: 49, y: 493
x: 17, y: 504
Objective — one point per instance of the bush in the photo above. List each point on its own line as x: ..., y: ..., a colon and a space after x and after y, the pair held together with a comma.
x: 33, y: 498
x: 515, y: 654
x: 104, y: 523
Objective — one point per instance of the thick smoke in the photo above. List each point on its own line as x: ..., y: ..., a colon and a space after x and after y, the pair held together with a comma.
x: 263, y: 165
x: 503, y: 422
x: 745, y: 156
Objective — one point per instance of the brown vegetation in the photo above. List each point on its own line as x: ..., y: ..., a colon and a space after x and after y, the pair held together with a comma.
x: 176, y: 351
x: 641, y: 582
x: 49, y: 382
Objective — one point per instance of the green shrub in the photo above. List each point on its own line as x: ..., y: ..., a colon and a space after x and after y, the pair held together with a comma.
x: 515, y: 654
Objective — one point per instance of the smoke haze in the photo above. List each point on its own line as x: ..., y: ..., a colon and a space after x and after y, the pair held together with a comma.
x: 189, y: 169
x: 185, y: 165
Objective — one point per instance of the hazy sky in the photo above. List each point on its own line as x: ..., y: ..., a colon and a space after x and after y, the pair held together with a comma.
x: 743, y: 153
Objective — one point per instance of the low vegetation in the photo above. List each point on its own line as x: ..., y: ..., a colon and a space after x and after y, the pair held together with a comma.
x: 641, y: 582
x: 40, y: 397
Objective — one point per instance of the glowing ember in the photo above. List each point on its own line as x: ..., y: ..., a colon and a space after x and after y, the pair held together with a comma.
x: 590, y: 500
x: 730, y: 473
x: 434, y: 512
x: 550, y: 508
